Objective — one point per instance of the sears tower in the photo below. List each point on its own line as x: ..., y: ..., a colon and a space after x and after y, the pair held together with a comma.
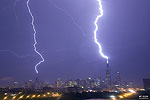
x: 108, y: 76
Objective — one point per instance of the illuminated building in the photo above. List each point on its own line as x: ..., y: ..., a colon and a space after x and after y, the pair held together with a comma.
x: 29, y: 84
x: 130, y: 84
x: 81, y: 83
x: 15, y: 85
x: 97, y: 82
x: 89, y: 82
x: 124, y: 84
x: 59, y: 83
x: 118, y: 79
x: 72, y: 83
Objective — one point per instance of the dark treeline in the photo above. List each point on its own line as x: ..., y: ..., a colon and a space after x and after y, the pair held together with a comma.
x: 87, y: 95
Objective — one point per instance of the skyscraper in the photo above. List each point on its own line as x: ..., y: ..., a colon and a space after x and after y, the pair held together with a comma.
x: 108, y: 76
x: 28, y: 85
x: 59, y: 83
x: 15, y: 85
x: 118, y: 79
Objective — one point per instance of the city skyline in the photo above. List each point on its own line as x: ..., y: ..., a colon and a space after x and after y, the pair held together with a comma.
x: 99, y: 82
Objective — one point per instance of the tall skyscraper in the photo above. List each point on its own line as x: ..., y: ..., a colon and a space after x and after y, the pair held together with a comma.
x: 108, y: 76
x: 118, y: 79
x: 15, y: 85
x: 59, y: 83
x: 37, y: 83
x: 28, y: 85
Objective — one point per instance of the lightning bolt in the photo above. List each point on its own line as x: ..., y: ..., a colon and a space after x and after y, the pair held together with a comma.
x: 96, y: 29
x: 15, y: 54
x: 35, y: 41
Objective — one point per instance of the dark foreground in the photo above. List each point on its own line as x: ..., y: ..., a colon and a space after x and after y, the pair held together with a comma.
x: 140, y: 95
x: 78, y: 96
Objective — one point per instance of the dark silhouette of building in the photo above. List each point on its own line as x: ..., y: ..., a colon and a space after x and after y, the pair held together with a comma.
x: 146, y: 83
x: 108, y: 76
x: 118, y: 79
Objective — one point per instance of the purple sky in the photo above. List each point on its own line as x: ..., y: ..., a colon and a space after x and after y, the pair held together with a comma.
x: 65, y: 38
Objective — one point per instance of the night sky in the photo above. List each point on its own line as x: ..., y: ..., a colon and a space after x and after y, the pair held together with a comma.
x: 65, y: 38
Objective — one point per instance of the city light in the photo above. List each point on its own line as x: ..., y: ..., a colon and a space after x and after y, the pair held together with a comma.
x: 132, y: 91
x: 28, y: 96
x: 19, y: 92
x: 21, y: 97
x: 14, y: 97
x: 5, y: 93
x: 121, y: 97
x: 33, y: 96
x: 113, y: 97
x: 5, y: 97
x: 125, y: 95
x: 38, y: 96
x: 44, y: 95
x: 47, y: 35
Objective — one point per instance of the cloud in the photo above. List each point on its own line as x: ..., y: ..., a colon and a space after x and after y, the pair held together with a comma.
x: 6, y: 78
